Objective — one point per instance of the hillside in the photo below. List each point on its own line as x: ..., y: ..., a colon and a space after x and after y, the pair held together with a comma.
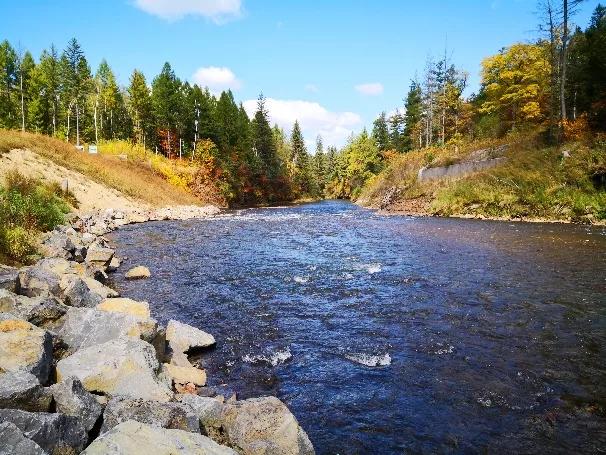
x: 529, y: 181
x: 98, y: 181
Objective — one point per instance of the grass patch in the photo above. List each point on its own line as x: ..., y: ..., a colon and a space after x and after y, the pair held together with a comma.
x: 27, y: 208
x: 134, y: 177
x: 535, y: 182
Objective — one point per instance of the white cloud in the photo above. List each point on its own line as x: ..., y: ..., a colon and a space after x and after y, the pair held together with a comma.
x: 216, y: 78
x: 372, y: 88
x: 312, y: 88
x: 219, y: 11
x: 314, y: 119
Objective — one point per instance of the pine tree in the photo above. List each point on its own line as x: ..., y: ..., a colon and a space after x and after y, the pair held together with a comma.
x: 75, y: 84
x: 396, y: 131
x: 165, y: 99
x: 45, y: 108
x: 380, y: 132
x: 413, y: 117
x: 107, y: 102
x: 139, y: 102
x: 263, y: 143
x: 8, y: 85
x: 26, y: 72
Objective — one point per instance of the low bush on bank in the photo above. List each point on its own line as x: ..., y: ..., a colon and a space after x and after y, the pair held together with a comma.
x: 28, y: 207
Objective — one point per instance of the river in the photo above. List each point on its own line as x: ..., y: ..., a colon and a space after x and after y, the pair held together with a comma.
x: 393, y: 334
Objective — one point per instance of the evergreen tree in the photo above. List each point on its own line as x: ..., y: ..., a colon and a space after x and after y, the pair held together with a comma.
x: 412, y: 117
x: 45, y: 108
x: 380, y: 132
x: 107, y: 101
x: 139, y: 102
x: 263, y: 143
x: 226, y: 117
x: 8, y: 83
x: 396, y: 131
x: 26, y: 72
x: 75, y: 85
x: 166, y: 101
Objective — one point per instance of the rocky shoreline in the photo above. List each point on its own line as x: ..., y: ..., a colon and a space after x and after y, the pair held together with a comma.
x: 85, y: 370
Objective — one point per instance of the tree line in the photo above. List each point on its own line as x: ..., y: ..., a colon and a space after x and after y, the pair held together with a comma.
x: 556, y: 84
x: 248, y: 160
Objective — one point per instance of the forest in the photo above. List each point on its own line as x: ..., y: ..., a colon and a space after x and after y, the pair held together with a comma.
x: 555, y: 85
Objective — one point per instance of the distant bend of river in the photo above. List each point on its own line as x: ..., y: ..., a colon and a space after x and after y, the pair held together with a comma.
x: 393, y: 334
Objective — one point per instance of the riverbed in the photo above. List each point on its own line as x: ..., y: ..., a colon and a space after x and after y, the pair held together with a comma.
x: 393, y: 334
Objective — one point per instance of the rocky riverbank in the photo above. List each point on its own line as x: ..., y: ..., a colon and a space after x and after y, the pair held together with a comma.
x: 85, y: 370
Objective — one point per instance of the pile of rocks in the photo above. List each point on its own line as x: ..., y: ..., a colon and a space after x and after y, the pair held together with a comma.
x: 83, y: 370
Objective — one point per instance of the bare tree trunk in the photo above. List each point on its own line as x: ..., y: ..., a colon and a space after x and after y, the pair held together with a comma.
x: 77, y: 125
x: 563, y: 62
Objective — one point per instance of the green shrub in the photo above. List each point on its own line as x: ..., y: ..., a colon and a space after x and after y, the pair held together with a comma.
x: 18, y: 243
x: 28, y: 207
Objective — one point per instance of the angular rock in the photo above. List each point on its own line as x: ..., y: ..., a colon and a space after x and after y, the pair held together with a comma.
x: 24, y: 347
x: 99, y: 255
x: 135, y: 438
x: 185, y: 374
x: 88, y: 238
x: 124, y: 366
x: 72, y: 399
x: 22, y: 390
x: 33, y: 282
x: 182, y: 337
x: 114, y: 264
x: 80, y: 291
x: 137, y: 273
x: 13, y: 441
x: 8, y: 277
x: 264, y: 425
x: 177, y: 416
x: 85, y: 327
x: 209, y: 412
x: 40, y: 311
x: 125, y: 305
x: 54, y: 433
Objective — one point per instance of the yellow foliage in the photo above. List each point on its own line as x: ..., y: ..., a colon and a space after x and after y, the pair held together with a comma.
x: 516, y: 83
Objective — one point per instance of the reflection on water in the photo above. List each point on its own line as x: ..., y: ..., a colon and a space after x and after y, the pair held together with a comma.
x: 394, y: 334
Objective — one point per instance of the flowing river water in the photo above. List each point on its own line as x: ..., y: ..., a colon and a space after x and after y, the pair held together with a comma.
x: 393, y: 334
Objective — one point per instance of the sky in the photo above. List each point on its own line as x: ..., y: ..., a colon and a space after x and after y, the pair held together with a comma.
x: 334, y: 65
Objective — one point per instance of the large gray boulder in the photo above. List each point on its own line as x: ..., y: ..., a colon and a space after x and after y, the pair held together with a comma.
x: 182, y: 337
x: 177, y: 416
x: 24, y: 347
x: 22, y: 390
x: 135, y: 438
x: 41, y: 311
x: 124, y: 366
x: 85, y: 327
x: 72, y: 399
x: 81, y: 291
x: 99, y: 255
x: 55, y: 433
x: 34, y: 281
x: 209, y: 412
x: 8, y: 277
x: 264, y: 426
x: 14, y: 442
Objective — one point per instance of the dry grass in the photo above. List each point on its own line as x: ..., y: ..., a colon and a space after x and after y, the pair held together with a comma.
x: 134, y: 178
x: 536, y: 182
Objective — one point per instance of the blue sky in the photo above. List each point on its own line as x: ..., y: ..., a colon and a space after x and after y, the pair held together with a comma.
x: 334, y: 65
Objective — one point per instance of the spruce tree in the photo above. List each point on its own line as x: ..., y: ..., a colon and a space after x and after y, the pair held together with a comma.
x: 414, y: 112
x: 396, y: 131
x: 139, y: 103
x: 75, y: 85
x: 263, y: 143
x: 8, y: 84
x: 380, y: 132
x: 166, y: 101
